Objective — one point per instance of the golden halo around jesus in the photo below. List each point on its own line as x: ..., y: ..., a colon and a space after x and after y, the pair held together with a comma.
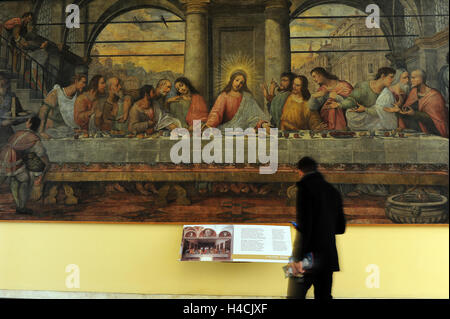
x: 232, y: 64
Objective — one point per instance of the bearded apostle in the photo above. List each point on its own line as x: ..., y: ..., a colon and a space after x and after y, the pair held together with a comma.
x: 275, y: 102
x: 296, y: 115
x: 424, y: 109
x: 147, y: 117
x: 86, y: 103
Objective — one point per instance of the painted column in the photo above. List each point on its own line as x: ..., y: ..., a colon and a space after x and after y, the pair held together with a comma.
x: 277, y: 42
x: 196, y: 45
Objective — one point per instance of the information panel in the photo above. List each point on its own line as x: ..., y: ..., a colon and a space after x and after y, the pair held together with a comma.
x: 236, y: 243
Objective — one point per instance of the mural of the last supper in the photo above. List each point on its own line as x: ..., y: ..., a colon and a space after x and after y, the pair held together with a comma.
x: 197, y: 111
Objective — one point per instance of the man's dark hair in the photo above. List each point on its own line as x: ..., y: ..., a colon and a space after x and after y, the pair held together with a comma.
x: 324, y: 73
x: 146, y: 89
x: 307, y: 164
x: 35, y: 123
x: 27, y: 14
x: 78, y: 77
x: 384, y: 71
x: 93, y: 84
x: 291, y: 76
x: 229, y: 86
x: 188, y: 83
x: 305, y: 91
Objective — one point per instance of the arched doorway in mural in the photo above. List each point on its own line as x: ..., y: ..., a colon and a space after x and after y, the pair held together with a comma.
x: 140, y: 47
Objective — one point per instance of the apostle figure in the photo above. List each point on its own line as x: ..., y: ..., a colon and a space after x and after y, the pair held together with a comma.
x: 389, y: 102
x: 235, y: 107
x: 331, y: 89
x: 188, y: 105
x: 360, y: 113
x: 391, y: 99
x: 162, y: 91
x: 424, y: 109
x: 112, y: 112
x: 148, y: 117
x: 275, y: 102
x: 296, y: 113
x: 85, y: 104
x: 57, y: 110
x: 400, y: 87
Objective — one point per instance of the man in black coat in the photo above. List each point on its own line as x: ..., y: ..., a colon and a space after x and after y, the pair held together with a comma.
x: 319, y: 218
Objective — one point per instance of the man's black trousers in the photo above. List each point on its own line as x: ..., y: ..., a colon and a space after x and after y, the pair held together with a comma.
x: 322, y: 282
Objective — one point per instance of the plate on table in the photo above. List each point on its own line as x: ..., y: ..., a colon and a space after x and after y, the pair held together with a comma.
x: 343, y: 134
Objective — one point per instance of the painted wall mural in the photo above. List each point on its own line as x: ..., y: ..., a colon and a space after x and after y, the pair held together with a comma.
x: 197, y: 111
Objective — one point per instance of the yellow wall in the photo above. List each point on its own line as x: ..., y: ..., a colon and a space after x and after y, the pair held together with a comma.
x: 140, y: 258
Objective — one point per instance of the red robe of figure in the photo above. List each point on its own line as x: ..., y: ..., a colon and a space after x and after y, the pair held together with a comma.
x: 433, y: 104
x: 335, y: 118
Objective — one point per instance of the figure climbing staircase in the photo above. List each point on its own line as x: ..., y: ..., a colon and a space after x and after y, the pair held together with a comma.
x: 20, y: 76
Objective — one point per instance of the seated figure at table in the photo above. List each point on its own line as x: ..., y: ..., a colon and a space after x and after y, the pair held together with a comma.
x: 275, y: 101
x: 235, y: 107
x: 112, y: 113
x: 8, y: 102
x: 401, y: 86
x: 331, y: 89
x: 57, y: 110
x: 147, y: 117
x: 162, y: 90
x: 296, y: 114
x: 424, y: 109
x: 188, y: 105
x: 360, y: 105
x: 391, y: 100
x: 85, y: 104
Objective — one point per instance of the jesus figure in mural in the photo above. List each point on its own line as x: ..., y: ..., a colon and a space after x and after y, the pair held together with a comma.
x: 235, y: 107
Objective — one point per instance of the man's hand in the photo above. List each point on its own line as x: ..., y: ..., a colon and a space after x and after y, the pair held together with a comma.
x: 273, y: 86
x: 360, y: 108
x: 265, y: 90
x: 297, y: 268
x: 332, y: 105
x: 408, y: 111
x: 394, y: 109
x: 174, y: 99
x: 45, y: 136
x: 322, y: 127
x: 44, y: 45
x: 172, y: 126
x: 333, y: 95
x: 267, y: 127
